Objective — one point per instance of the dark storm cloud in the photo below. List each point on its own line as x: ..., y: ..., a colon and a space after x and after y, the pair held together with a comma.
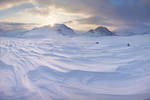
x: 133, y: 11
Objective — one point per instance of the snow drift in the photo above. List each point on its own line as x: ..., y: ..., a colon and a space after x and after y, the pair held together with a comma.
x: 75, y: 68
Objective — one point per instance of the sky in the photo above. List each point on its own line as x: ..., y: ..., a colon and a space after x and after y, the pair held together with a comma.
x: 117, y: 15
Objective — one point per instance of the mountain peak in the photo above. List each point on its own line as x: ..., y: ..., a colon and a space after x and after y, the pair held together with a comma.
x: 61, y: 26
x: 101, y: 31
x: 63, y: 29
x: 47, y: 31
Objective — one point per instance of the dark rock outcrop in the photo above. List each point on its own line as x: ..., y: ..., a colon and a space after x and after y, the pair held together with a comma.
x: 102, y: 31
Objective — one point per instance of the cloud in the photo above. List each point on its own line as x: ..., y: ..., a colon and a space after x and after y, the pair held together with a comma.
x: 77, y: 6
x: 7, y: 26
x: 126, y: 13
x: 95, y: 20
x: 116, y: 13
x: 39, y: 11
x: 10, y: 3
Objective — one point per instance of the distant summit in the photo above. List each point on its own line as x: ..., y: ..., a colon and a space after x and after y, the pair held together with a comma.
x: 102, y: 31
x: 63, y: 29
x: 50, y: 31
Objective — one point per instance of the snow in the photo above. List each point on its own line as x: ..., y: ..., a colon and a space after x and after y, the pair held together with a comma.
x: 50, y: 31
x: 74, y: 68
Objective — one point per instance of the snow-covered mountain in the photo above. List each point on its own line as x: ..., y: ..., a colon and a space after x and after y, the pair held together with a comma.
x: 50, y: 31
x: 63, y: 30
x: 100, y: 31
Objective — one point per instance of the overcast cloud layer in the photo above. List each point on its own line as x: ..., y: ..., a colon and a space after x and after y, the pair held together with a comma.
x: 4, y: 4
x: 123, y: 14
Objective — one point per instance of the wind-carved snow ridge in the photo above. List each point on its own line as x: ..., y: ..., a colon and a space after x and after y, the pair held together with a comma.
x: 75, y: 68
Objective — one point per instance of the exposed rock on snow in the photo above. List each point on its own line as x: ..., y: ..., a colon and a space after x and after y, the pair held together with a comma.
x: 63, y: 29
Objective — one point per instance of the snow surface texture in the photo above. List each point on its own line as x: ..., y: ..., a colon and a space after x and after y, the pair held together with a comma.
x: 75, y: 68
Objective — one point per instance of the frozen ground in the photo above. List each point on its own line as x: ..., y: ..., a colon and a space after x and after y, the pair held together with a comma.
x: 75, y: 68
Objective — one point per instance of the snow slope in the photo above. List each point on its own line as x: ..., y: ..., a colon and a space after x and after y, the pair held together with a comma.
x: 50, y: 31
x: 75, y: 68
